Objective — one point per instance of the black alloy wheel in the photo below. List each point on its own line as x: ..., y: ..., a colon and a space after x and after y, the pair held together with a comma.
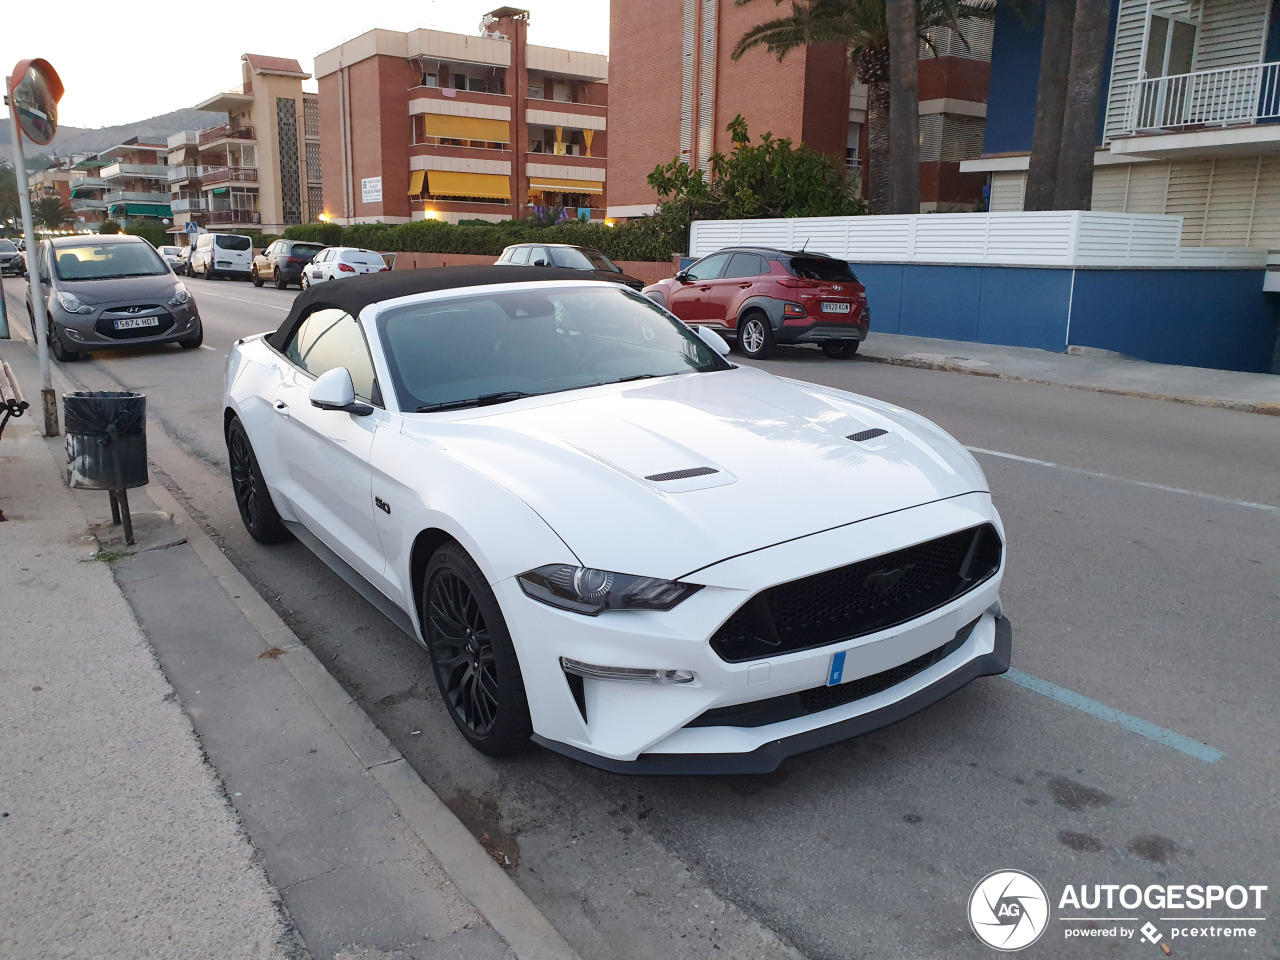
x: 257, y: 280
x: 282, y: 282
x: 475, y: 662
x: 840, y: 349
x: 253, y: 499
x: 57, y: 348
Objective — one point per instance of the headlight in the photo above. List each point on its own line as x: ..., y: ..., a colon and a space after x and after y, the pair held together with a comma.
x: 180, y: 295
x: 72, y: 304
x: 589, y: 591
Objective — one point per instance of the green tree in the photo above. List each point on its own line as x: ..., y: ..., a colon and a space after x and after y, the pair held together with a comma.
x: 10, y: 208
x: 109, y: 226
x: 863, y: 27
x: 772, y: 178
x: 52, y: 213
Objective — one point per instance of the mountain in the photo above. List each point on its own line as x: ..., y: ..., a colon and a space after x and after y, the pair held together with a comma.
x: 90, y: 140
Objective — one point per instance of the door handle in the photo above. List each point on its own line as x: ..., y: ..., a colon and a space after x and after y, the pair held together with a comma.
x: 743, y: 286
x: 282, y: 408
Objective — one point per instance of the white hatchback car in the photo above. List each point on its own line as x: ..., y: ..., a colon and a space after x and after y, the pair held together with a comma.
x: 336, y: 263
x: 557, y: 488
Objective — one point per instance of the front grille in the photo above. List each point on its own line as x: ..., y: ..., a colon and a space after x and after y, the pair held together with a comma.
x: 860, y: 598
x: 816, y: 699
x: 681, y: 474
x: 106, y: 324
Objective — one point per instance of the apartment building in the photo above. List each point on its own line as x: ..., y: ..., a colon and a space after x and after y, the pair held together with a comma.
x: 435, y: 125
x: 54, y: 180
x: 126, y: 183
x: 670, y: 64
x: 1190, y: 118
x: 261, y: 169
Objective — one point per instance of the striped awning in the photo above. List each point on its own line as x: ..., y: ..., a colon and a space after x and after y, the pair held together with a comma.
x: 466, y: 128
x: 451, y: 183
x: 566, y: 186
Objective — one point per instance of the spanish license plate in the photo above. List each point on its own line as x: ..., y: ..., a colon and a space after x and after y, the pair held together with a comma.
x: 835, y: 307
x: 132, y: 323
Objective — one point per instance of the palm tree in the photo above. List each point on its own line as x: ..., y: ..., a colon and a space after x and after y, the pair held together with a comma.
x: 904, y: 107
x: 1051, y: 102
x: 1074, y: 190
x: 863, y: 27
x: 52, y: 213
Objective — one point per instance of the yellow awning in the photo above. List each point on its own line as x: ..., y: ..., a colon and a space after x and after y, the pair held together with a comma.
x: 466, y: 128
x: 566, y: 186
x: 449, y: 183
x: 416, y: 177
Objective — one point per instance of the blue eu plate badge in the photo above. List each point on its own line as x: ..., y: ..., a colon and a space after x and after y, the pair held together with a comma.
x: 837, y: 669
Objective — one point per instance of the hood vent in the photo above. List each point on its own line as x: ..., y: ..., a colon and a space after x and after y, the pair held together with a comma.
x: 865, y: 435
x: 681, y: 474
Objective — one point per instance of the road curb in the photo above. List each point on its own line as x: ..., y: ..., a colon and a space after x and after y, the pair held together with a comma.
x: 477, y: 876
x: 1243, y: 406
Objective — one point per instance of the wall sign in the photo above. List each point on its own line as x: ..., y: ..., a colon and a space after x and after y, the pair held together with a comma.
x: 371, y: 190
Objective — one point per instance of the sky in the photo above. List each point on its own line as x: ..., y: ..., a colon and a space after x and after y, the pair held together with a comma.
x: 121, y: 67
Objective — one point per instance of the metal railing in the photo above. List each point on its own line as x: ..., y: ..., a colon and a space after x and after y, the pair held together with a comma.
x: 135, y: 196
x: 146, y: 170
x: 225, y: 131
x: 186, y: 173
x: 229, y: 175
x: 235, y: 216
x: 189, y: 205
x: 88, y: 204
x: 1231, y: 96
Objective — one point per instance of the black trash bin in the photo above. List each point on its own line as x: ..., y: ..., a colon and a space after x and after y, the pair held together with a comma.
x: 107, y: 445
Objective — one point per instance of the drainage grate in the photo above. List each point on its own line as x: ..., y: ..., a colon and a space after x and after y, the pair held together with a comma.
x: 681, y: 474
x: 867, y: 435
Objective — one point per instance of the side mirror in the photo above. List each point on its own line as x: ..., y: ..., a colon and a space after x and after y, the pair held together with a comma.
x: 334, y: 391
x: 713, y: 340
x: 682, y: 276
x: 541, y: 263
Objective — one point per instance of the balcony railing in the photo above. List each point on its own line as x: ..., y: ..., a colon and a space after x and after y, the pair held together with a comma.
x: 225, y: 131
x: 189, y: 205
x: 148, y: 171
x: 177, y: 174
x: 1231, y: 96
x: 88, y: 183
x: 214, y: 175
x: 135, y: 196
x: 80, y: 206
x: 235, y: 216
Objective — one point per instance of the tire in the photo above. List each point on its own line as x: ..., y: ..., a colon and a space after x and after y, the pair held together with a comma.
x: 257, y: 280
x: 473, y: 658
x: 755, y: 336
x: 56, y: 347
x: 209, y: 273
x: 304, y: 283
x: 840, y: 349
x: 253, y: 499
x: 281, y: 282
x: 192, y: 342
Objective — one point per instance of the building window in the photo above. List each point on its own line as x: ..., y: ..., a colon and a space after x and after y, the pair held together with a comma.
x: 315, y: 202
x: 311, y: 117
x: 950, y: 137
x: 313, y: 162
x: 290, y: 185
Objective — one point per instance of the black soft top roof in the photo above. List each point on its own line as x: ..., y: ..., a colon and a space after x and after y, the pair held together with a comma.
x: 354, y: 294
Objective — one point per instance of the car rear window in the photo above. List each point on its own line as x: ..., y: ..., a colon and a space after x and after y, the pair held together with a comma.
x: 305, y: 249
x: 232, y: 242
x: 170, y: 251
x: 821, y: 268
x: 363, y: 256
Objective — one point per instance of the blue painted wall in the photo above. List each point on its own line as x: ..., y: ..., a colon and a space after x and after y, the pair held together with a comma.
x: 1015, y: 71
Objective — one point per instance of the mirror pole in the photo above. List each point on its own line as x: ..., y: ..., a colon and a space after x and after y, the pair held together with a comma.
x: 50, y: 402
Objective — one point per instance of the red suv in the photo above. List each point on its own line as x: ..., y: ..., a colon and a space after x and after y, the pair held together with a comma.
x: 765, y: 296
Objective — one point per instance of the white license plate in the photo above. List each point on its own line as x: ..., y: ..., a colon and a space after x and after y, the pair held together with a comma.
x: 835, y: 307
x: 132, y: 323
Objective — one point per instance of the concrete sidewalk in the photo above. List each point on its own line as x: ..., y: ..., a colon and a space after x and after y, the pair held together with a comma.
x: 116, y: 838
x: 1249, y: 392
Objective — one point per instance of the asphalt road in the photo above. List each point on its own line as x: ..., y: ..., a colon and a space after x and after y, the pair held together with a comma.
x: 1143, y: 579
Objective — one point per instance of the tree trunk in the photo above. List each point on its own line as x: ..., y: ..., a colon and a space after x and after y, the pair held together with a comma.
x: 904, y: 107
x: 1080, y: 119
x: 1051, y: 103
x: 878, y: 147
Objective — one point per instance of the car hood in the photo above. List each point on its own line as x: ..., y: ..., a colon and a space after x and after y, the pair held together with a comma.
x: 624, y: 473
x: 158, y: 287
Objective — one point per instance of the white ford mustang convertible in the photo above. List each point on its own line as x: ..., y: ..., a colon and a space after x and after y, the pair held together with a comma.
x: 610, y: 539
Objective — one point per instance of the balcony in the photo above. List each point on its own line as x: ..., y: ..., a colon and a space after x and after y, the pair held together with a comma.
x: 135, y: 196
x: 215, y: 175
x: 235, y: 216
x: 189, y: 205
x: 147, y: 171
x: 179, y: 174
x: 88, y: 183
x: 87, y: 205
x: 1231, y: 96
x: 225, y: 131
x: 183, y: 138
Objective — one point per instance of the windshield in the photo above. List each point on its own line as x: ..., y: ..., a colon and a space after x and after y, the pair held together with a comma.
x: 472, y: 350
x: 170, y: 251
x: 108, y: 261
x: 582, y: 259
x: 820, y: 268
x: 232, y: 242
x: 6, y: 246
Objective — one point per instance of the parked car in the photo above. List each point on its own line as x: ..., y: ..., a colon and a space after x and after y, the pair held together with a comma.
x: 282, y: 262
x: 555, y: 508
x: 11, y: 259
x: 172, y: 256
x: 763, y: 296
x: 570, y: 257
x: 337, y: 263
x: 221, y: 255
x: 183, y: 267
x: 103, y: 292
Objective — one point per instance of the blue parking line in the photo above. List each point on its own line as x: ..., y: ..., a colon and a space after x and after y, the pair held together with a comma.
x: 1143, y: 728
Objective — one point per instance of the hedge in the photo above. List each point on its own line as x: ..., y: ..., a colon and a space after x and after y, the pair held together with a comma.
x: 650, y: 238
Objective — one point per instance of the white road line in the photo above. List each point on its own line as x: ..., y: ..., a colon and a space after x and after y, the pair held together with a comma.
x: 1141, y: 483
x: 223, y: 296
x: 205, y: 346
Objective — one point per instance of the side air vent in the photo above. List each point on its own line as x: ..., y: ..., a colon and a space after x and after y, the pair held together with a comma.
x: 867, y: 435
x: 681, y: 474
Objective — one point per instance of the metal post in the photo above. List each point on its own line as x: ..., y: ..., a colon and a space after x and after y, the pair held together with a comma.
x: 50, y: 402
x: 4, y: 313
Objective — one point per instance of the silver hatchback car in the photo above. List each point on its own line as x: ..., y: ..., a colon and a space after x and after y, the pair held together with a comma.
x: 103, y: 292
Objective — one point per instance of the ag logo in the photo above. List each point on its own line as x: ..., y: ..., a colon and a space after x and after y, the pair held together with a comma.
x: 1008, y: 910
